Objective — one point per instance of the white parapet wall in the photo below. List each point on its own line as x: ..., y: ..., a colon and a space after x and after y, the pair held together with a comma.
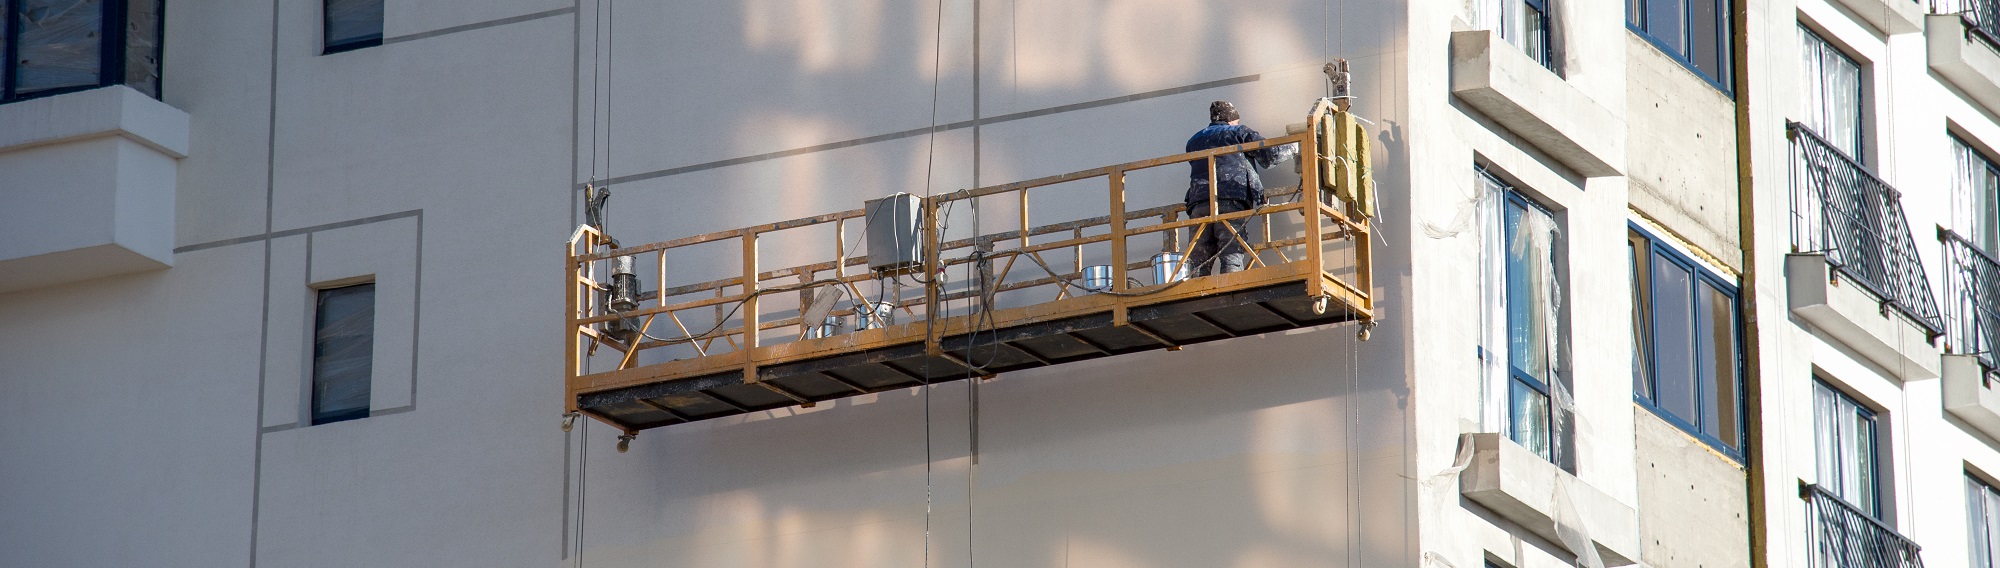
x: 87, y: 183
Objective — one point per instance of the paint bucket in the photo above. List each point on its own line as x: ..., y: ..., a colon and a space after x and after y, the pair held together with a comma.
x: 1097, y: 278
x: 1169, y: 267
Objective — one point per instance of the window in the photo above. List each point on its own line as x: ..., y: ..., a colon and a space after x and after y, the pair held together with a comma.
x: 1686, y: 352
x: 343, y: 353
x: 1830, y: 89
x: 1844, y: 436
x: 1523, y: 23
x: 1982, y: 522
x: 1696, y: 32
x: 51, y: 47
x: 1526, y: 397
x: 1975, y: 197
x: 352, y: 24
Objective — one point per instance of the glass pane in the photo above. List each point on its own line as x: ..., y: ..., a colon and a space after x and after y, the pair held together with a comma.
x: 1866, y: 483
x: 1635, y: 13
x: 60, y: 44
x: 1826, y: 438
x: 343, y: 353
x: 1530, y: 290
x: 1638, y: 250
x: 1673, y: 339
x: 1535, y: 34
x: 1975, y: 195
x: 1528, y: 413
x: 1831, y: 93
x: 142, y: 47
x: 1719, y: 384
x: 1706, y: 48
x: 1975, y: 524
x: 353, y: 22
x: 1992, y: 524
x: 1666, y: 21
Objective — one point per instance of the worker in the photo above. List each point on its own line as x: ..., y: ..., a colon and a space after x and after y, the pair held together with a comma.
x: 1218, y: 247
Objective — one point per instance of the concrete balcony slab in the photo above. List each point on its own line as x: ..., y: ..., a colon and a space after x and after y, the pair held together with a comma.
x: 1964, y: 58
x: 89, y: 180
x: 1522, y: 487
x: 1526, y: 98
x: 1855, y: 318
x: 1891, y: 16
x: 1969, y: 395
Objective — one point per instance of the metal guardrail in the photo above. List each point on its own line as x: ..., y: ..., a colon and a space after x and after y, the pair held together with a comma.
x: 1982, y: 17
x: 1857, y: 221
x: 1841, y: 536
x: 1971, y: 299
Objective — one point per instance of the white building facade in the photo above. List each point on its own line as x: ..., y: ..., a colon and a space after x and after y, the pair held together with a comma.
x: 279, y: 284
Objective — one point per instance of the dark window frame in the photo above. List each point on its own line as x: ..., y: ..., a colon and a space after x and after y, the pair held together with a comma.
x: 111, y: 63
x: 1860, y: 98
x: 1725, y: 36
x: 1992, y: 167
x: 1701, y: 280
x: 1876, y: 508
x: 314, y: 413
x: 330, y: 47
x: 1545, y: 33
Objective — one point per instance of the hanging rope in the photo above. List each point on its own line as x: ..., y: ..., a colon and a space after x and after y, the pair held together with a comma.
x: 931, y: 303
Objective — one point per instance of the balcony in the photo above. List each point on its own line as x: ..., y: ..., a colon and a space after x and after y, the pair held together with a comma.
x: 1521, y: 486
x: 1960, y: 41
x: 1972, y: 333
x: 1523, y: 96
x: 1848, y: 227
x: 89, y: 180
x: 1890, y: 16
x: 1841, y: 536
x: 787, y: 314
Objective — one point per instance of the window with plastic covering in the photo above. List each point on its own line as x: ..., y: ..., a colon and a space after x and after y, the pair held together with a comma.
x: 1830, y: 94
x: 351, y: 24
x: 1697, y: 33
x: 1687, y: 359
x: 1845, y: 439
x: 50, y: 47
x: 1524, y: 390
x: 343, y: 353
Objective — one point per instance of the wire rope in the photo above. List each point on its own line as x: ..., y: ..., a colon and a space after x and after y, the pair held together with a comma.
x: 931, y: 303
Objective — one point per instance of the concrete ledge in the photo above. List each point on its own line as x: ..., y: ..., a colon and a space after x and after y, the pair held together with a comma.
x: 1521, y: 486
x: 90, y: 181
x: 1968, y: 396
x: 1515, y: 91
x: 110, y: 111
x: 1855, y: 317
x: 1964, y: 59
x: 1890, y: 16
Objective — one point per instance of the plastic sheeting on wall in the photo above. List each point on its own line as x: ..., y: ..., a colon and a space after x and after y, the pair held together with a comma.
x: 60, y: 45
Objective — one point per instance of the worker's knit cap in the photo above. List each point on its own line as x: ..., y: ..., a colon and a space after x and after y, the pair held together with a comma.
x: 1221, y: 111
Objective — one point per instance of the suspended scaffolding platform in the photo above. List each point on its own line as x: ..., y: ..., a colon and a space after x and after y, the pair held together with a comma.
x: 977, y: 303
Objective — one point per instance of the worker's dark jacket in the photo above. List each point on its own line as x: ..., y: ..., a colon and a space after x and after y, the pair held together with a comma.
x: 1239, y: 179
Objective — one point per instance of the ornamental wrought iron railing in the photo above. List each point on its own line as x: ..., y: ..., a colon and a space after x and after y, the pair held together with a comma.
x: 1971, y: 299
x: 1841, y: 536
x: 1841, y: 210
x: 1982, y: 17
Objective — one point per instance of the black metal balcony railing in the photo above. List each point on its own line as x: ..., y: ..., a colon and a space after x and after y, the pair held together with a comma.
x: 1971, y: 299
x: 1982, y: 17
x: 1841, y: 536
x: 1856, y: 220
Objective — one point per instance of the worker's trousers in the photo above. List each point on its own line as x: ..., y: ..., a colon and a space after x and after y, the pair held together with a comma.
x: 1217, y: 248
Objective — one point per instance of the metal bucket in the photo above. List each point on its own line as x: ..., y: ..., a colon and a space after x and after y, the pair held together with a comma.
x: 829, y: 328
x: 1169, y: 267
x: 1097, y: 278
x: 872, y: 315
